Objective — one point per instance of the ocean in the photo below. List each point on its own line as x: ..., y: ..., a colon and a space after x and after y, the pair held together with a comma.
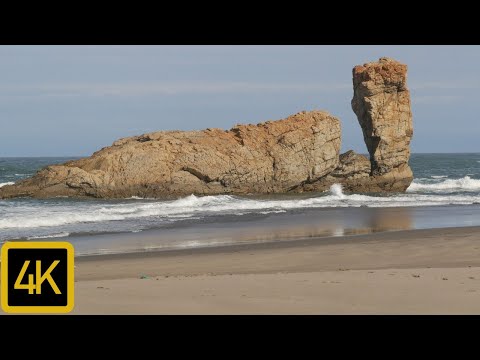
x: 445, y: 193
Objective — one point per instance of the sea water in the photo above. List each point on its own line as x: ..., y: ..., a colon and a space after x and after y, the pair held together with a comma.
x: 445, y: 192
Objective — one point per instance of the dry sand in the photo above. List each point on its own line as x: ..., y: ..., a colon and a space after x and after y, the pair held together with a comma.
x: 387, y: 291
x: 404, y: 272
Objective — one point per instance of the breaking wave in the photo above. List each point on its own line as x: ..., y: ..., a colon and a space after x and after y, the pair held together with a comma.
x: 195, y: 207
x: 465, y: 184
x: 62, y: 234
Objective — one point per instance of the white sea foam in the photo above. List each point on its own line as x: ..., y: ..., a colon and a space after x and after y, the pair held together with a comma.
x: 28, y: 216
x: 62, y: 234
x: 336, y: 190
x: 439, y: 176
x: 464, y: 184
x: 272, y: 212
x: 6, y: 183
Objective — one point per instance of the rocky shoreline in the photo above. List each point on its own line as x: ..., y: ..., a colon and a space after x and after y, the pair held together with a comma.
x: 296, y: 154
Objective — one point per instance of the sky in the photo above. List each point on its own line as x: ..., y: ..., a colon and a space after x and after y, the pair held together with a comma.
x: 74, y: 100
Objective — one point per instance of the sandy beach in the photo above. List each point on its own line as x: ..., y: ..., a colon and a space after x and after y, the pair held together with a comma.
x: 403, y: 272
x: 241, y: 179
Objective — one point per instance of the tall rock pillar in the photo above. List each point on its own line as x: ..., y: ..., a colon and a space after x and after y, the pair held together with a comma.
x: 381, y: 101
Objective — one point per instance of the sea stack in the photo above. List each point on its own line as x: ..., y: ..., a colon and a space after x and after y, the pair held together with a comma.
x: 296, y: 154
x: 381, y: 101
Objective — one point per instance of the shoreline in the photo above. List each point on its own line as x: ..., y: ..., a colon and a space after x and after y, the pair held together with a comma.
x: 279, y: 243
x: 425, y: 271
x: 327, y: 255
x: 317, y: 223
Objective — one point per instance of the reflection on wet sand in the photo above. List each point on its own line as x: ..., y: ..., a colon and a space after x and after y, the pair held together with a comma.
x: 341, y: 223
x: 391, y: 219
x: 278, y: 227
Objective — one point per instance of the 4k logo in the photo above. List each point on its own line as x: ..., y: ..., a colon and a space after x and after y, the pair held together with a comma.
x: 40, y: 278
x: 37, y: 277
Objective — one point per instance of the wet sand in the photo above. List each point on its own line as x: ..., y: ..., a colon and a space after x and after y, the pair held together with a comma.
x: 292, y: 225
x: 430, y: 271
x: 404, y: 272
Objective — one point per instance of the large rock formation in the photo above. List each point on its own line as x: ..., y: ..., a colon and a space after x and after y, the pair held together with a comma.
x: 271, y: 157
x: 381, y: 102
x: 300, y: 153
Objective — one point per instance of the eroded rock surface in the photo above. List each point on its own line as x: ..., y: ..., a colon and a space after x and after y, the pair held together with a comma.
x: 272, y: 157
x: 381, y: 101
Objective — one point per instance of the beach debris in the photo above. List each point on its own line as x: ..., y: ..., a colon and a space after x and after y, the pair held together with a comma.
x: 471, y: 277
x: 415, y: 275
x: 444, y: 278
x: 144, y: 277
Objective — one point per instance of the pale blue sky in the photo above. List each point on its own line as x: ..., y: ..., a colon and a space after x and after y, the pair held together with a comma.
x: 73, y: 100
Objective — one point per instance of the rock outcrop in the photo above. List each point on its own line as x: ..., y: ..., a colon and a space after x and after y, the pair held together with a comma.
x: 299, y: 153
x: 381, y: 102
x: 271, y: 157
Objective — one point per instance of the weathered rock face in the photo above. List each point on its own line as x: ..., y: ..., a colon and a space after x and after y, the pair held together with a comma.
x: 271, y: 157
x: 381, y: 102
x: 300, y: 153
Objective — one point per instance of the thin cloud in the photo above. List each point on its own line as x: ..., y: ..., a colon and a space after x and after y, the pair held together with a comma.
x: 436, y: 99
x: 432, y: 85
x: 146, y: 89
